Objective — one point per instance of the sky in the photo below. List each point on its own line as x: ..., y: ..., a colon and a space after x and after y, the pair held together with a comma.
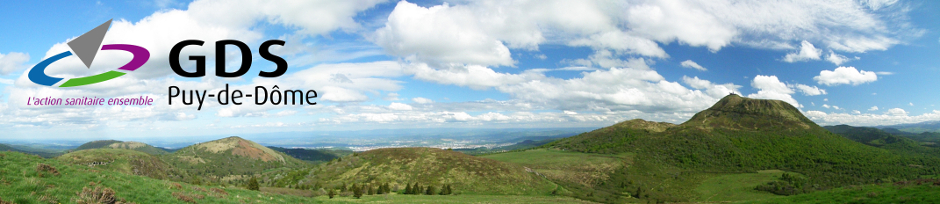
x: 380, y: 65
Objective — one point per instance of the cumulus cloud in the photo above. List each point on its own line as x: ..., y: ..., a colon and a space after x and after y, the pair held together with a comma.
x: 769, y: 87
x: 808, y: 90
x: 807, y: 52
x: 399, y: 106
x: 838, y: 59
x: 622, y: 42
x: 482, y: 32
x: 12, y: 62
x: 845, y: 75
x: 693, y: 65
x: 873, y: 108
x: 890, y: 117
x: 421, y: 100
x: 714, y: 90
x: 825, y: 105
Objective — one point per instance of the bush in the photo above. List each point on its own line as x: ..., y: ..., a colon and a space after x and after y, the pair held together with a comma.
x: 46, y: 168
x: 96, y: 195
x: 253, y: 184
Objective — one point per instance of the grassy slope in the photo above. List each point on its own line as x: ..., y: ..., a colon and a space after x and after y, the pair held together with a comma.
x: 114, y: 144
x: 427, y: 166
x: 915, y: 191
x: 22, y: 183
x: 575, y: 168
x: 736, y: 187
x: 124, y: 161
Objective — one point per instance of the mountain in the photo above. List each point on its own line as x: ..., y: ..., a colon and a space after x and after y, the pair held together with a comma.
x: 114, y: 144
x: 97, y: 144
x: 44, y: 154
x: 399, y: 167
x: 4, y: 147
x: 927, y: 126
x: 123, y: 160
x: 231, y: 158
x: 879, y: 138
x: 740, y: 135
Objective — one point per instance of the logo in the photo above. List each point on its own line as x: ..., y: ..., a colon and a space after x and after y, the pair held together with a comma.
x: 85, y: 47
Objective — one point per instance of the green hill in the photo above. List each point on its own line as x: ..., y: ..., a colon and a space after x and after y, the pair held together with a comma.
x: 32, y: 179
x: 739, y: 135
x: 114, y: 144
x: 399, y: 167
x: 44, y: 154
x: 4, y: 147
x: 97, y: 144
x: 124, y: 161
x: 230, y: 159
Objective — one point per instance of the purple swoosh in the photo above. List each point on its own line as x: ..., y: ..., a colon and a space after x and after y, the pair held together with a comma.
x: 141, y: 55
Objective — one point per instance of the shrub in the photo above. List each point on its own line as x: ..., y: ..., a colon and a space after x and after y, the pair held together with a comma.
x: 253, y: 184
x: 96, y: 195
x: 183, y: 197
x: 46, y: 168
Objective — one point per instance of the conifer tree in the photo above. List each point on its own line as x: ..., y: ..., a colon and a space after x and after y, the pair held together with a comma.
x: 430, y: 190
x: 408, y: 189
x: 357, y: 191
x: 253, y: 184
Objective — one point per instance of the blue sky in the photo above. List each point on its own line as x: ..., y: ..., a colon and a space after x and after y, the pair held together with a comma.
x: 480, y: 64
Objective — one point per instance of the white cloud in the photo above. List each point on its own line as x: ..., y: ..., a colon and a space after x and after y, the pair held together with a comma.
x: 422, y: 100
x: 391, y: 97
x: 440, y: 34
x: 808, y: 90
x: 856, y: 112
x: 912, y: 104
x: 12, y: 62
x: 878, y: 4
x: 838, y: 59
x: 622, y: 42
x: 836, y: 107
x: 691, y: 64
x: 890, y: 117
x: 769, y: 87
x: 845, y: 75
x: 807, y: 52
x: 873, y: 108
x: 399, y: 106
x: 825, y: 105
x: 884, y: 73
x: 896, y: 112
x: 713, y: 90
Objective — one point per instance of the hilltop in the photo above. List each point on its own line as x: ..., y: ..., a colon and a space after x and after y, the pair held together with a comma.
x: 229, y: 159
x: 739, y: 113
x: 115, y: 144
x: 399, y: 167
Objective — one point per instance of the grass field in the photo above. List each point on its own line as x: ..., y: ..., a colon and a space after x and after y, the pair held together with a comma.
x: 915, y: 191
x: 452, y: 199
x: 737, y: 187
x: 570, y: 167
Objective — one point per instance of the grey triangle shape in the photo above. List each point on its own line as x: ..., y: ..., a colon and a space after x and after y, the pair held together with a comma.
x: 86, y: 46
